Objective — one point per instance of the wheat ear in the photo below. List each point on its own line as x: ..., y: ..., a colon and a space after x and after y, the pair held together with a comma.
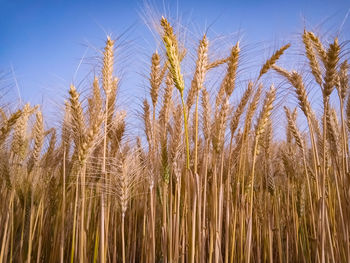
x: 272, y: 60
x: 172, y: 52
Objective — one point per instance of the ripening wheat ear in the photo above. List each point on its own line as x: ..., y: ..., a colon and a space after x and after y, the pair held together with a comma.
x: 310, y: 54
x: 200, y: 71
x: 240, y: 108
x: 296, y: 81
x: 171, y: 47
x: 251, y: 109
x: 155, y: 78
x: 65, y: 131
x: 232, y: 65
x: 19, y: 140
x: 265, y: 112
x: 117, y: 130
x: 330, y: 78
x: 292, y: 128
x: 202, y: 63
x: 293, y: 116
x: 196, y: 86
x: 108, y: 63
x: 8, y: 124
x: 333, y: 131
x: 111, y: 101
x: 172, y: 52
x: 95, y: 102
x: 176, y: 134
x: 147, y: 122
x: 89, y: 140
x: 219, y: 127
x: 321, y: 52
x: 167, y: 102
x: 272, y: 60
x: 49, y: 154
x: 343, y: 83
x: 78, y: 123
x: 125, y: 173
x: 38, y: 134
x: 228, y: 83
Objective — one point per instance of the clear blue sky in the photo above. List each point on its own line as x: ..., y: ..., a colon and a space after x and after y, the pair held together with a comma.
x: 43, y: 41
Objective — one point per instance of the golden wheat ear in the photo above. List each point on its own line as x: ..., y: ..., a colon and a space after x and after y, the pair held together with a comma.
x: 272, y: 60
x: 8, y: 124
x: 310, y: 54
x: 108, y: 65
x: 78, y: 122
x: 200, y: 72
x: 172, y: 52
x: 240, y: 108
x: 38, y: 135
x: 155, y: 78
x: 174, y: 59
x: 330, y: 78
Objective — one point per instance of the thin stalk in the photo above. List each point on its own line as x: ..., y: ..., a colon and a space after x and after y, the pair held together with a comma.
x: 4, y: 239
x: 103, y: 258
x: 228, y: 201
x: 123, y: 237
x: 186, y: 131
x: 63, y: 206
x: 251, y: 200
x: 196, y: 136
x: 82, y: 215
x: 74, y: 220
x: 152, y: 225
x: 193, y: 239
x: 323, y: 213
x: 30, y: 241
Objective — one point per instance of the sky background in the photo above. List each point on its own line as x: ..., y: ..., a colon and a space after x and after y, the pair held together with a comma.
x: 42, y: 43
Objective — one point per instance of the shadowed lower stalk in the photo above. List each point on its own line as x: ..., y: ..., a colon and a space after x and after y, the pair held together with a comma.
x: 123, y: 237
x: 186, y: 132
x: 63, y: 205
x: 262, y: 121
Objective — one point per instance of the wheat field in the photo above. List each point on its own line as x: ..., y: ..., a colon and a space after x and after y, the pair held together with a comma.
x: 209, y: 179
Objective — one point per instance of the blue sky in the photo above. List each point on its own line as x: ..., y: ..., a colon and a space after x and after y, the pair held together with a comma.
x: 42, y: 42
